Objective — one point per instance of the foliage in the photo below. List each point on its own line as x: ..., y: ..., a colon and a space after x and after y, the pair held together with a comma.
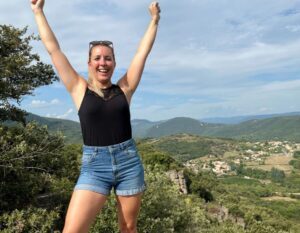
x: 290, y: 210
x: 296, y: 154
x: 241, y: 170
x: 21, y: 71
x: 163, y: 210
x: 201, y: 183
x: 277, y: 175
x: 185, y: 147
x: 38, y: 173
x: 31, y: 160
x: 295, y: 163
x: 155, y: 159
x: 28, y: 220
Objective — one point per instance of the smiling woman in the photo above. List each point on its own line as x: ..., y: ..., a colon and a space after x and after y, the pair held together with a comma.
x: 110, y: 158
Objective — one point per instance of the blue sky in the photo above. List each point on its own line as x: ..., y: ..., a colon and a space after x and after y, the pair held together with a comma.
x: 211, y: 58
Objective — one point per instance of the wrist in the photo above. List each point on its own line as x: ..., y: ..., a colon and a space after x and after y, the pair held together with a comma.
x: 37, y: 11
x: 156, y: 19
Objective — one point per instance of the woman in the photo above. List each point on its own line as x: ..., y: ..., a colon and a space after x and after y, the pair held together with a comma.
x: 110, y: 159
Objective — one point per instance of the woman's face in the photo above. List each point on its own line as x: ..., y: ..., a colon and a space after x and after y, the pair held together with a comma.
x: 101, y: 63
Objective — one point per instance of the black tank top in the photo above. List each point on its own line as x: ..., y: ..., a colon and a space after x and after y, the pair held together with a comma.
x: 105, y: 120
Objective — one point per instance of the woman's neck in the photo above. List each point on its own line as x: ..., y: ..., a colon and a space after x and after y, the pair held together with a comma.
x: 103, y: 85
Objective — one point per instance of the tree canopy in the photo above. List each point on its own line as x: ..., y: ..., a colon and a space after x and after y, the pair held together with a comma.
x: 21, y: 71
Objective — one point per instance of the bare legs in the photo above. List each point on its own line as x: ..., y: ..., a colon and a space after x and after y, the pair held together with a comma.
x: 85, y: 205
x: 83, y: 209
x: 128, y: 211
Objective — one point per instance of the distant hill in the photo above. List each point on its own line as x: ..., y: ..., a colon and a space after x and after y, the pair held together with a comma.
x: 70, y: 129
x: 140, y: 127
x: 176, y: 126
x: 184, y: 147
x: 240, y: 119
x: 276, y: 128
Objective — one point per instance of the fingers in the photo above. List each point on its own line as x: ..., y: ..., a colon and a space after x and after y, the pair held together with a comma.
x: 154, y: 7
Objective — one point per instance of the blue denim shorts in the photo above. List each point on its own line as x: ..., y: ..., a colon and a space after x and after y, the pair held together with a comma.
x: 116, y: 166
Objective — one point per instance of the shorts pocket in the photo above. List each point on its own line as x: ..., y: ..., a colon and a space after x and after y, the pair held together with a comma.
x: 88, y: 157
x: 132, y: 152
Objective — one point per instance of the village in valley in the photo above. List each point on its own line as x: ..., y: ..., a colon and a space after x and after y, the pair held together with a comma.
x: 259, y: 155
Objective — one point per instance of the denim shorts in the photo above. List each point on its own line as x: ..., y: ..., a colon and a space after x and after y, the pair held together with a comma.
x: 116, y: 166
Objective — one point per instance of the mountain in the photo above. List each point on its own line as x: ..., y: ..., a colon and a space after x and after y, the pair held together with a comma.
x: 140, y: 127
x: 184, y: 147
x: 176, y: 126
x: 240, y: 119
x: 70, y: 129
x: 276, y: 128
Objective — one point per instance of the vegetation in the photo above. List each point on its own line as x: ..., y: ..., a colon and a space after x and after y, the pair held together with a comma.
x: 20, y: 70
x: 185, y: 147
x: 275, y: 128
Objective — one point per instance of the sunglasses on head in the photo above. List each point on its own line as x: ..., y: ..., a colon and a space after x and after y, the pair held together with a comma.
x: 101, y: 42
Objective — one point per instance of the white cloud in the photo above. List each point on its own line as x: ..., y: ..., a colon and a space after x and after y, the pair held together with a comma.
x: 65, y: 115
x: 43, y: 103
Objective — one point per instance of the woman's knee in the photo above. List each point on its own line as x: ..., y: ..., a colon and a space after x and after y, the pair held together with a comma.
x: 74, y: 229
x: 126, y: 227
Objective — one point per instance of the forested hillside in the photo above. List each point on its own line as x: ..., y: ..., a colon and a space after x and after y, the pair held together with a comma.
x: 275, y: 128
x: 37, y: 178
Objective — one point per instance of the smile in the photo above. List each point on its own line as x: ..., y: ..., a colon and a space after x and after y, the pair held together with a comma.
x: 103, y: 70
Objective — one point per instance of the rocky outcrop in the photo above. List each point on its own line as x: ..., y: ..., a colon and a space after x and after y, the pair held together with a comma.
x: 178, y: 178
x: 221, y: 213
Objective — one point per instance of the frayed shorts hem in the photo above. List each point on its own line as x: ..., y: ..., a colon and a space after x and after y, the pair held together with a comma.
x: 130, y: 192
x: 93, y: 188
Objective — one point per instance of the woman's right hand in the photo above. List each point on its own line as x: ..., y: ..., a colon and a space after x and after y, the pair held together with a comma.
x: 154, y: 10
x: 37, y: 5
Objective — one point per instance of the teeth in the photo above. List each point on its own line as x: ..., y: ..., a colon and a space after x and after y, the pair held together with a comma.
x: 103, y: 70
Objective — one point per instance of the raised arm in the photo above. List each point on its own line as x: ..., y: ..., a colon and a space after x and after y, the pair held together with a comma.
x: 68, y: 75
x: 131, y: 79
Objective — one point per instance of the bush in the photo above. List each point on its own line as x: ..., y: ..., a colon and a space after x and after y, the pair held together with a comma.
x: 163, y: 210
x: 28, y: 220
x: 36, y: 168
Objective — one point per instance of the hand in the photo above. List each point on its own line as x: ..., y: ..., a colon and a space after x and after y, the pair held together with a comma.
x: 154, y: 11
x: 37, y: 5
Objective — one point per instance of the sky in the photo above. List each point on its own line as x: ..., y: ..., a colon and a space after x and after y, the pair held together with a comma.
x: 211, y: 58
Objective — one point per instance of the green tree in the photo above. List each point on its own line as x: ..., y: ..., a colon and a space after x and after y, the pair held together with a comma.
x: 297, y: 155
x: 164, y: 209
x: 21, y: 71
x: 28, y: 220
x: 31, y: 161
x: 201, y: 184
x: 277, y: 175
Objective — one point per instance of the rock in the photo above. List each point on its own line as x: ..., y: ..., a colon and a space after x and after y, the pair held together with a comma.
x: 178, y: 178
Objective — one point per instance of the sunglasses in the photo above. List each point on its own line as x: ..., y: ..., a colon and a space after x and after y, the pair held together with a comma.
x: 101, y: 42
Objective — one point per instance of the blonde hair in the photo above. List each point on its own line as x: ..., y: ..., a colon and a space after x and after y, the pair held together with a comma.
x: 92, y: 86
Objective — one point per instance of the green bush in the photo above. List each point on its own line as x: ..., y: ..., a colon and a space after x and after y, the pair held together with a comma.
x: 297, y: 154
x: 37, y: 169
x: 163, y: 210
x: 29, y: 220
x: 295, y: 163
